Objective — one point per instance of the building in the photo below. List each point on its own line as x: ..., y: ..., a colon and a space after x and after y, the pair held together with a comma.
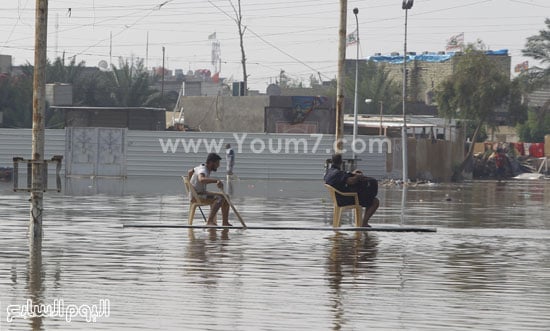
x: 418, y: 126
x: 5, y: 64
x: 133, y: 118
x: 271, y: 114
x: 426, y: 71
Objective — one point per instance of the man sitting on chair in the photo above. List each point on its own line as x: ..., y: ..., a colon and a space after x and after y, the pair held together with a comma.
x: 199, y: 178
x: 365, y: 187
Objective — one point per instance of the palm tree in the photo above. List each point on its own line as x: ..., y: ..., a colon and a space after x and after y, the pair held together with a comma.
x: 376, y: 84
x: 16, y: 99
x: 130, y: 84
x: 538, y: 48
x: 59, y: 72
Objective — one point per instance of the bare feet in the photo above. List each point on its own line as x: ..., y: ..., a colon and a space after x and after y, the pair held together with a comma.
x: 227, y: 224
x: 211, y: 224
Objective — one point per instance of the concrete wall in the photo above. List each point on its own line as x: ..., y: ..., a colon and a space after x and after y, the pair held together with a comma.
x: 225, y: 113
x: 505, y: 134
x: 433, y: 160
x: 131, y: 118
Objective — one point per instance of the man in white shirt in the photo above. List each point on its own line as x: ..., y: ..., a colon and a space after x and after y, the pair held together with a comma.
x: 199, y: 178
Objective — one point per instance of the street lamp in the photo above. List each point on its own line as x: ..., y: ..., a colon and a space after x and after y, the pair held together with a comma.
x: 407, y: 4
x: 381, y: 112
x: 367, y: 101
x: 355, y: 103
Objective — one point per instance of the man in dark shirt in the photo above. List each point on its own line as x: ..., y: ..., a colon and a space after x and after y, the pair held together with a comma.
x: 365, y: 187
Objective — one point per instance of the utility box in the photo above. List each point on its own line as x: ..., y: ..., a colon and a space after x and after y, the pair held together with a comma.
x: 59, y: 94
x: 5, y: 64
x: 547, y: 145
x: 239, y: 89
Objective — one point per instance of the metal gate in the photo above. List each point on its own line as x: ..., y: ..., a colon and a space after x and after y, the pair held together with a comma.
x: 95, y: 152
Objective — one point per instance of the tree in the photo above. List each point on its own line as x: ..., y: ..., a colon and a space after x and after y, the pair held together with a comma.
x: 59, y: 72
x: 16, y: 100
x: 242, y: 29
x: 538, y: 48
x: 374, y: 83
x: 473, y: 92
x: 130, y: 83
x: 534, y: 129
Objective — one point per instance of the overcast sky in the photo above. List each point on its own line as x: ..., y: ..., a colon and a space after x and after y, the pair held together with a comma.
x: 298, y: 36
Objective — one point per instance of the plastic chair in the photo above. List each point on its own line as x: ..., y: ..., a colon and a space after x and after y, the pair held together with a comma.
x: 195, y: 201
x: 337, y: 215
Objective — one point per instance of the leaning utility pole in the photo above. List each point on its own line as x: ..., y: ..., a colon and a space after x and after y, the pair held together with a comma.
x: 340, y: 79
x: 38, y: 116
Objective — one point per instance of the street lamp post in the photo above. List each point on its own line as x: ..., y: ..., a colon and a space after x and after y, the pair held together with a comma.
x: 381, y: 112
x: 355, y: 103
x: 340, y: 77
x: 407, y: 4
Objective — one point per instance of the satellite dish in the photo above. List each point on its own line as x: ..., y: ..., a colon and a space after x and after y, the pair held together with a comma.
x: 103, y: 65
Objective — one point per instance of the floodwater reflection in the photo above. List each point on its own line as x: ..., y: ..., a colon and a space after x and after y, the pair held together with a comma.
x: 36, y: 283
x: 351, y: 257
x: 487, y: 267
x: 203, y: 253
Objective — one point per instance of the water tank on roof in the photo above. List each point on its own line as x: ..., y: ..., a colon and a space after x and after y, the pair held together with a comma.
x: 5, y: 64
x: 59, y: 94
x: 273, y: 89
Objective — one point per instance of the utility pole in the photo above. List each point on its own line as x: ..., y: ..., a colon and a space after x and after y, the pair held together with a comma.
x: 340, y: 78
x: 163, y: 70
x: 407, y: 4
x: 147, y: 52
x: 356, y: 98
x: 39, y: 110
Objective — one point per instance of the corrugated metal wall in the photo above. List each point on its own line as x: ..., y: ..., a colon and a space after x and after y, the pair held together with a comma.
x: 18, y: 142
x: 262, y: 156
x: 172, y: 154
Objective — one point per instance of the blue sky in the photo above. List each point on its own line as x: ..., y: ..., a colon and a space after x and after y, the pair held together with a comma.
x: 297, y: 36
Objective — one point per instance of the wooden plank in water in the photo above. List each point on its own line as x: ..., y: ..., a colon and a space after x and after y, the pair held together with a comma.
x: 287, y: 228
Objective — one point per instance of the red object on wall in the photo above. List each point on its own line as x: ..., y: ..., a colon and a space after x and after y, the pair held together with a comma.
x: 536, y: 150
x: 519, y: 147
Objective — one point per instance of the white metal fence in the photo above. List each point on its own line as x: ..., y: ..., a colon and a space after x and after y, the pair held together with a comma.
x: 257, y: 155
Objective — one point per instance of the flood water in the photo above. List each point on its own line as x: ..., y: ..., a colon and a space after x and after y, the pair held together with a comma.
x: 486, y: 268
